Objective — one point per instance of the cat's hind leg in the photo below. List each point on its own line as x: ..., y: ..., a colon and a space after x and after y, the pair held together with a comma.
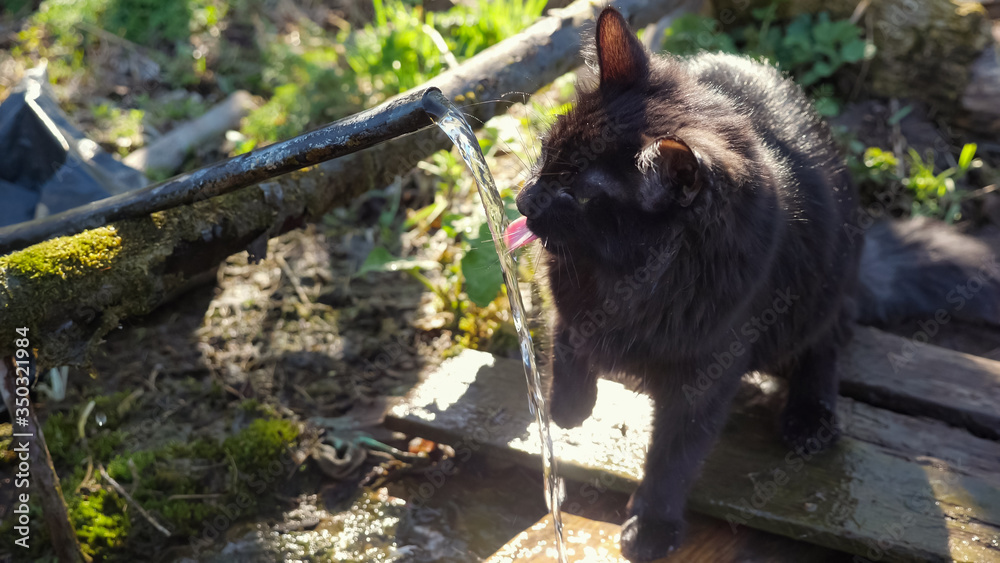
x: 809, y: 419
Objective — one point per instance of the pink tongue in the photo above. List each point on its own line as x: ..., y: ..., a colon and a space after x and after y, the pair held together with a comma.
x: 518, y: 234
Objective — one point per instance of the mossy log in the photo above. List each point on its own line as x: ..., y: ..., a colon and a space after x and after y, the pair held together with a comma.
x: 925, y: 49
x: 71, y: 291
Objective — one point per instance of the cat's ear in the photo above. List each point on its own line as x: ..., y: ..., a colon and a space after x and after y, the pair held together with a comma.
x: 621, y: 57
x: 677, y: 166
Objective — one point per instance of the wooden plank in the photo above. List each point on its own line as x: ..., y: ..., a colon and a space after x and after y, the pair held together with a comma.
x: 896, y: 487
x: 907, y: 376
x: 709, y: 541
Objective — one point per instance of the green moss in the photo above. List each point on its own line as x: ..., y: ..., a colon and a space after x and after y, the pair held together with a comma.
x: 6, y: 439
x: 63, y: 436
x: 260, y: 443
x: 98, y: 279
x: 119, y: 470
x: 177, y: 469
x: 100, y: 522
x: 63, y: 440
x: 66, y: 256
x: 250, y: 405
x: 149, y: 22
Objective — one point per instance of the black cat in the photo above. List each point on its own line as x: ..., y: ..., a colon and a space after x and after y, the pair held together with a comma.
x: 699, y: 224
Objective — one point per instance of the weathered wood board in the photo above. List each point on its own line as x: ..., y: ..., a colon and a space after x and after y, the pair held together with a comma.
x: 709, y: 541
x: 895, y: 488
x: 907, y: 376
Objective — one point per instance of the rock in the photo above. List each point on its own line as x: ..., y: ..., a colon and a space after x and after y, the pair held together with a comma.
x: 981, y: 97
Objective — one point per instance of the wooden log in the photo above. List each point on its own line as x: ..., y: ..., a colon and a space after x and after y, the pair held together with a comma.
x: 166, y: 154
x: 895, y: 488
x: 74, y: 290
x: 40, y: 475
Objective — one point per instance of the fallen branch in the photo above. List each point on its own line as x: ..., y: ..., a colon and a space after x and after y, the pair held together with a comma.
x: 166, y: 154
x: 39, y: 473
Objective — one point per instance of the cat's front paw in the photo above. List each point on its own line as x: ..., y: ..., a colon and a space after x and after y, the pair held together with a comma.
x: 647, y: 539
x: 811, y: 429
x: 570, y: 407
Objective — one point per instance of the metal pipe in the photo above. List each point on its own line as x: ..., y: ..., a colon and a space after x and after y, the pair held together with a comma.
x: 389, y: 120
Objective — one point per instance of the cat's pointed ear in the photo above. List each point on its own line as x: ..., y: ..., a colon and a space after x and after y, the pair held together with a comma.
x: 621, y: 57
x: 678, y: 167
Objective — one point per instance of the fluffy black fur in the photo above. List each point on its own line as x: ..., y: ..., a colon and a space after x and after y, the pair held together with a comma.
x: 700, y: 223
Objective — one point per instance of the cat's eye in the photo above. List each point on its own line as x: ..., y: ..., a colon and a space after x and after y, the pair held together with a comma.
x: 583, y: 200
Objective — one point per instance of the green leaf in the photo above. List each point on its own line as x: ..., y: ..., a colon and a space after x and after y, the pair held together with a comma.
x: 899, y: 115
x: 853, y: 51
x: 968, y: 153
x: 822, y: 69
x: 827, y: 107
x: 481, y: 269
x: 381, y: 260
x: 429, y: 212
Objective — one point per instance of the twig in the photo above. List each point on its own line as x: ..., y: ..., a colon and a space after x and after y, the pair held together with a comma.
x: 194, y: 497
x: 980, y: 192
x: 135, y: 474
x: 292, y: 278
x: 866, y: 61
x: 128, y: 498
x: 87, y: 476
x: 81, y: 422
x: 859, y: 11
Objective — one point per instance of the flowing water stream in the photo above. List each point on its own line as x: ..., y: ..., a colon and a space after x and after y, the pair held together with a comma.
x: 453, y: 123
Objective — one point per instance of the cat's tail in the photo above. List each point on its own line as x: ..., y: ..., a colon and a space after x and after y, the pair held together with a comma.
x: 921, y: 268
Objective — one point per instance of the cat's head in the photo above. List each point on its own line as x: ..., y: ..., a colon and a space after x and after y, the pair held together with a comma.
x: 610, y: 178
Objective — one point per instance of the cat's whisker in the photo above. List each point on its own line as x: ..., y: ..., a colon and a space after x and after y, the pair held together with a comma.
x: 531, y: 134
x: 508, y: 149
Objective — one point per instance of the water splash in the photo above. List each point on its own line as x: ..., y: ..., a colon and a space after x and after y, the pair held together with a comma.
x: 453, y: 123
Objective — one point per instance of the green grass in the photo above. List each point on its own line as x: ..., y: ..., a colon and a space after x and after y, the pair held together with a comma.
x: 401, y: 48
x: 917, y: 187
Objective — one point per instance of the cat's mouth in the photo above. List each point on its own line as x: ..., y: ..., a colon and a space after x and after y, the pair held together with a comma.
x: 518, y: 234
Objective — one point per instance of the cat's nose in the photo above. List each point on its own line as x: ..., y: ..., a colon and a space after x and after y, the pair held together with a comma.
x: 524, y: 203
